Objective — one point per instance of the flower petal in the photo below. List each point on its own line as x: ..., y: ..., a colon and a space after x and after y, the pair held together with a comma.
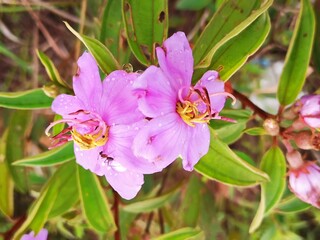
x: 87, y: 84
x: 176, y: 60
x: 162, y: 140
x: 118, y: 104
x: 119, y: 146
x: 197, y: 145
x: 127, y: 183
x: 210, y: 81
x: 65, y: 104
x: 89, y: 159
x: 155, y: 95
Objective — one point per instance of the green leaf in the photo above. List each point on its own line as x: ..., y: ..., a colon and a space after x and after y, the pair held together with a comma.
x: 6, y: 184
x: 274, y: 164
x: 255, y: 131
x: 182, y: 234
x: 17, y: 60
x: 316, y: 44
x: 16, y: 139
x: 94, y: 203
x: 146, y: 27
x: 68, y: 194
x: 223, y: 165
x: 192, y: 5
x: 51, y: 70
x: 101, y: 53
x: 292, y: 204
x: 31, y: 99
x: 229, y: 132
x: 50, y: 199
x: 189, y: 215
x: 111, y: 31
x: 150, y: 204
x: 231, y: 18
x: 298, y: 56
x: 49, y: 158
x: 232, y: 55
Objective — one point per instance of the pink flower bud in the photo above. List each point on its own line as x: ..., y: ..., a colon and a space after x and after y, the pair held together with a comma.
x: 271, y: 126
x: 309, y: 108
x: 304, y: 182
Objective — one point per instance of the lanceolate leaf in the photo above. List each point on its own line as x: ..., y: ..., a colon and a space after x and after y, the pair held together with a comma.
x: 15, y: 147
x: 292, y: 204
x: 52, y: 198
x: 274, y: 164
x: 146, y: 25
x: 298, y: 56
x: 233, y: 54
x: 94, y: 203
x: 112, y: 27
x: 231, y: 18
x: 51, y: 69
x: 49, y: 158
x: 101, y: 53
x: 223, y: 165
x: 6, y: 184
x: 150, y: 204
x: 31, y: 99
x: 182, y: 234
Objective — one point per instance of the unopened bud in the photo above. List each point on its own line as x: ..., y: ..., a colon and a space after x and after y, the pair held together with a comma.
x: 127, y: 67
x: 315, y: 141
x: 271, y: 126
x: 51, y: 90
x: 303, y: 140
x: 294, y: 159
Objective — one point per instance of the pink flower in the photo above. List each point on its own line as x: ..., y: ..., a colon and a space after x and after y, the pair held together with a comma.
x: 304, y: 182
x: 42, y: 235
x: 103, y: 119
x: 178, y: 112
x: 309, y: 108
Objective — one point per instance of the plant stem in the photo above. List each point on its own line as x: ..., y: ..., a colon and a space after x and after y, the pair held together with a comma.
x: 247, y: 102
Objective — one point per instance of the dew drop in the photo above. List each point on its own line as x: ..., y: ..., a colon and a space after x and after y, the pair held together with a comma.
x: 112, y: 79
x: 160, y: 124
x: 162, y: 113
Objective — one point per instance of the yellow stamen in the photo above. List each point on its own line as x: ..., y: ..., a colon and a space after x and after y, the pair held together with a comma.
x: 88, y: 141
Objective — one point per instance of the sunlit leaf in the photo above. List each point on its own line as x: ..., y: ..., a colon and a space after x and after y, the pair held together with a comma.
x: 257, y: 220
x: 52, y: 71
x: 255, y: 131
x: 189, y: 215
x: 223, y: 165
x: 231, y: 18
x: 101, y: 53
x: 50, y: 198
x: 232, y: 55
x: 182, y: 234
x: 18, y: 127
x: 6, y: 184
x: 292, y: 204
x: 146, y: 26
x: 192, y: 5
x: 94, y: 203
x: 230, y: 132
x: 111, y: 31
x: 149, y: 205
x: 31, y: 99
x: 49, y: 158
x: 297, y: 59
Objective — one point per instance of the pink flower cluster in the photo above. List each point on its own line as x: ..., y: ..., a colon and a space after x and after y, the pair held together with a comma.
x: 132, y: 124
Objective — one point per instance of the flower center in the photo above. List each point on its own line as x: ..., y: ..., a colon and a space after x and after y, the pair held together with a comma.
x: 86, y: 128
x: 194, y: 107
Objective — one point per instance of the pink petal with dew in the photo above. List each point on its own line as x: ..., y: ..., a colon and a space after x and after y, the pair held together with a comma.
x: 155, y: 95
x: 65, y: 104
x: 120, y: 148
x: 210, y: 81
x: 87, y: 84
x: 197, y: 145
x: 313, y: 122
x: 89, y: 159
x: 176, y: 60
x: 118, y: 104
x: 162, y: 140
x: 126, y: 182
